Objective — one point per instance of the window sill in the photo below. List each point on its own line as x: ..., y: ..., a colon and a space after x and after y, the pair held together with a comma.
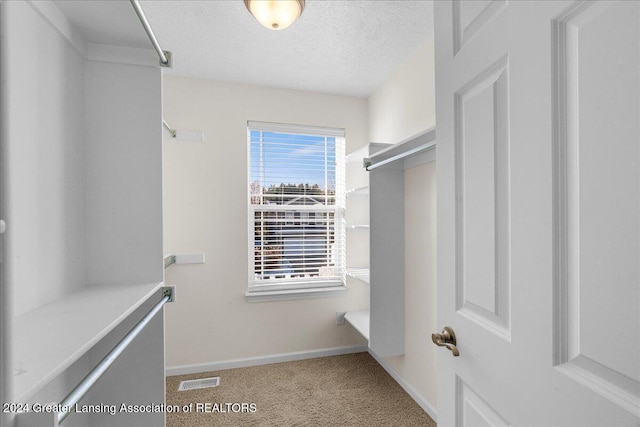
x: 294, y: 294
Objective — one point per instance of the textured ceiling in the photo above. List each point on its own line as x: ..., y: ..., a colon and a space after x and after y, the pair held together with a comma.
x: 346, y: 47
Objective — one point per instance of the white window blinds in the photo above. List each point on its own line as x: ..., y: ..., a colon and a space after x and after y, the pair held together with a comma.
x: 296, y: 206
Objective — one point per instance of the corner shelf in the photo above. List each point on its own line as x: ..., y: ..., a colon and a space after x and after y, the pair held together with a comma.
x: 360, y: 273
x: 358, y: 194
x: 61, y: 332
x: 358, y: 227
x: 359, y: 319
x: 360, y: 191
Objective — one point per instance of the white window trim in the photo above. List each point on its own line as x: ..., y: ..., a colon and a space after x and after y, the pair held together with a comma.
x: 293, y: 294
x: 291, y: 291
x: 299, y: 129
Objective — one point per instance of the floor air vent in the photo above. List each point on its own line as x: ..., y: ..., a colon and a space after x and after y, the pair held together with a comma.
x: 199, y: 383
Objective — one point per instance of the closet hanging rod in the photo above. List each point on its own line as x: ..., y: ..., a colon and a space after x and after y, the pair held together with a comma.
x: 172, y: 131
x: 165, y: 56
x: 69, y: 402
x: 370, y: 167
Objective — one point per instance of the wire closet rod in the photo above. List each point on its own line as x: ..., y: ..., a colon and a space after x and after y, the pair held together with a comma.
x: 69, y: 402
x: 164, y: 55
x: 423, y: 147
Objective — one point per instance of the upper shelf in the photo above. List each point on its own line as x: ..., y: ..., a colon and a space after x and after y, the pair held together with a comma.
x: 416, y: 144
x: 360, y: 191
x: 363, y: 152
x: 54, y: 336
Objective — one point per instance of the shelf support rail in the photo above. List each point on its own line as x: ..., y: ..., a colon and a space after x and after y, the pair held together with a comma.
x: 68, y: 404
x: 165, y: 55
x: 369, y: 166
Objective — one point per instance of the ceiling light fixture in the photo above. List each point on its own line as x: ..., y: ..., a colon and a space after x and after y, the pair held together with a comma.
x: 275, y: 14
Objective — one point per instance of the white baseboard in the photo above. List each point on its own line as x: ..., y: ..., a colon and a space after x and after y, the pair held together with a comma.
x: 410, y: 390
x: 262, y: 360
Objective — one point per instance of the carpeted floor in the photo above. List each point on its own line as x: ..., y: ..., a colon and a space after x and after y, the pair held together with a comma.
x: 349, y: 390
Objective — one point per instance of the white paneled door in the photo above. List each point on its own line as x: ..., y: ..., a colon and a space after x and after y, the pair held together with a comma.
x: 538, y: 112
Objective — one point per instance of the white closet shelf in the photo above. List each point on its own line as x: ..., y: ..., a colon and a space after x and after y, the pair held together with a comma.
x: 52, y: 338
x: 413, y: 145
x: 358, y: 227
x: 366, y: 151
x: 359, y: 319
x: 360, y: 191
x: 360, y: 273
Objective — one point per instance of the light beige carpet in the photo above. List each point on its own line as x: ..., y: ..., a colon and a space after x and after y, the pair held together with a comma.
x: 349, y: 390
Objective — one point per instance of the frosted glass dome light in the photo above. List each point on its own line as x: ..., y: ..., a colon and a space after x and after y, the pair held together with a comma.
x: 275, y: 14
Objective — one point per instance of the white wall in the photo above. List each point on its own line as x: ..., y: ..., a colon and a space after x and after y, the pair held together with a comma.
x: 45, y: 192
x: 123, y: 113
x: 418, y: 366
x: 402, y: 107
x: 405, y: 104
x: 205, y: 207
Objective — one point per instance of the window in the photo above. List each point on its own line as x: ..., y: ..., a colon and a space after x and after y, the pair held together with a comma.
x: 296, y: 209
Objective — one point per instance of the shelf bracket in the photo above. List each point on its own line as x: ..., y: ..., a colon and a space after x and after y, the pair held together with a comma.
x: 169, y: 291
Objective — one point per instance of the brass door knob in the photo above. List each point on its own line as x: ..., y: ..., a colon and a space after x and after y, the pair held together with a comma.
x: 446, y: 339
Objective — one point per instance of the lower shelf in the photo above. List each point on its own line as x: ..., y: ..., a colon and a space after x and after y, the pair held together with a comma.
x: 359, y: 319
x: 51, y: 338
